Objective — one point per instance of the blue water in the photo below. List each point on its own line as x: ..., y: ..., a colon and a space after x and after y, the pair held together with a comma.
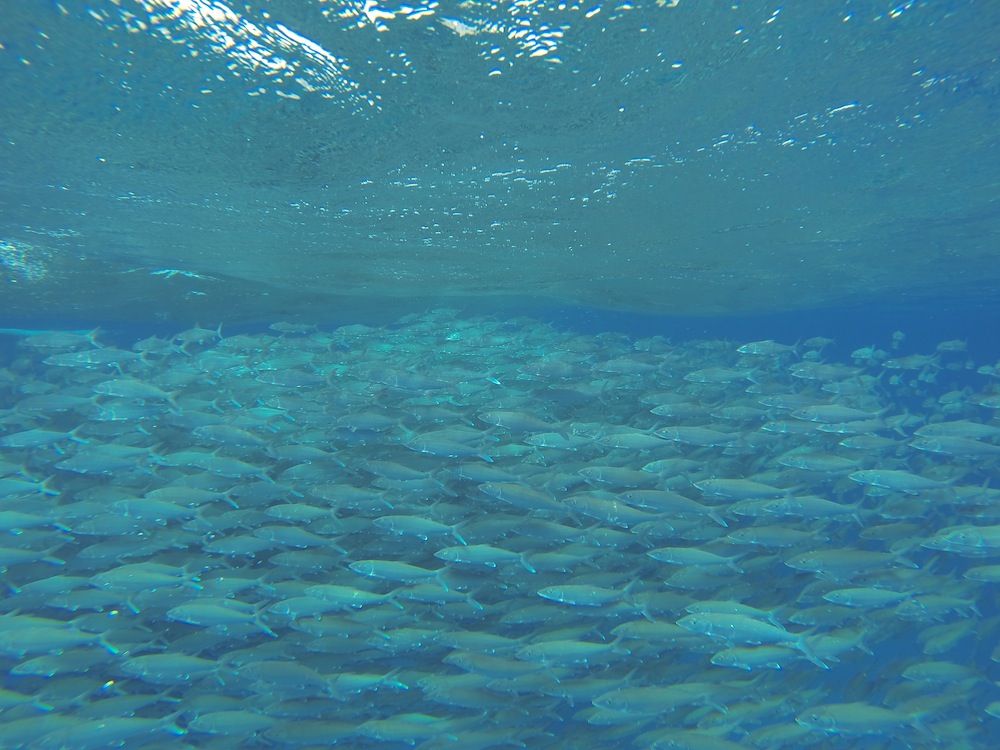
x: 568, y: 179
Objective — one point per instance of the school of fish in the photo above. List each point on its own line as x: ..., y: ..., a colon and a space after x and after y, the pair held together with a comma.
x: 464, y: 533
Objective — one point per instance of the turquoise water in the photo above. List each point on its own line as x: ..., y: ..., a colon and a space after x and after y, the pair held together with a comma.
x: 688, y: 158
x: 468, y: 375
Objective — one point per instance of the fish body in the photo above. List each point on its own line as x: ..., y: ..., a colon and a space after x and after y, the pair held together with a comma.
x: 897, y: 480
x: 582, y: 595
x: 738, y: 628
x: 855, y: 719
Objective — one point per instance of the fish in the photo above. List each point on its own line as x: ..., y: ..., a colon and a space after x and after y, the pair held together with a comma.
x: 845, y: 564
x: 397, y: 571
x: 739, y: 628
x: 582, y: 595
x: 483, y: 554
x: 221, y: 615
x: 767, y: 348
x: 857, y: 719
x: 737, y: 489
x: 457, y: 530
x: 898, y: 480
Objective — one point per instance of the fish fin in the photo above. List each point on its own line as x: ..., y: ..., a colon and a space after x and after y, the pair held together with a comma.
x: 114, y: 651
x: 525, y: 564
x: 44, y: 488
x: 807, y: 651
x: 718, y: 519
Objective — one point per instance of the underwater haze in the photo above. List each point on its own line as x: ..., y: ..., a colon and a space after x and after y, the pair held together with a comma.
x: 467, y: 375
x: 673, y: 157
